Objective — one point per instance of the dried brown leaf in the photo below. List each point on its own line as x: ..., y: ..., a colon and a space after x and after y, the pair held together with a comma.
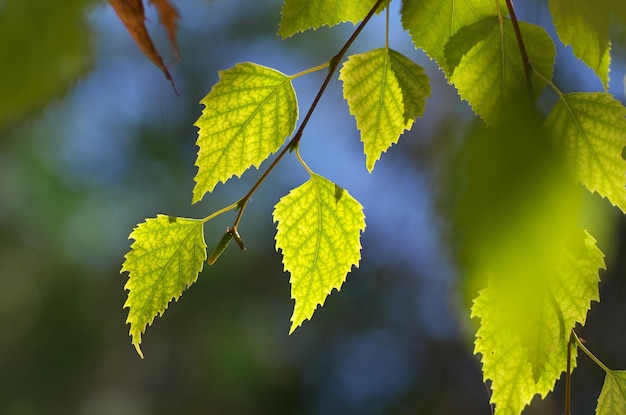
x: 132, y: 15
x: 168, y: 17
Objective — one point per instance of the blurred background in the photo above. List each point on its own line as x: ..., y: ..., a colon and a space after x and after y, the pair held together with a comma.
x: 93, y: 140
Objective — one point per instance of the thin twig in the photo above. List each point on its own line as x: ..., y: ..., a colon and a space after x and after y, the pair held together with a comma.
x: 522, y: 49
x: 591, y: 355
x: 334, y: 64
x: 568, y: 374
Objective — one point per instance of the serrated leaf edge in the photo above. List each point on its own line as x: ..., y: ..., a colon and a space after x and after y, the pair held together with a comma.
x: 136, y: 339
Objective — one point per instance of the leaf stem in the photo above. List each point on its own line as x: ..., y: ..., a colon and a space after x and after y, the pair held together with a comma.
x: 310, y: 70
x: 522, y: 48
x: 549, y: 83
x: 302, y: 161
x: 219, y: 212
x: 333, y: 64
x: 387, y: 27
x: 588, y: 353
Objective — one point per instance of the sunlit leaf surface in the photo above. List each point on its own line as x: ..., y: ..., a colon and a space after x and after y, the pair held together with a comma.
x: 165, y: 259
x: 385, y: 92
x: 487, y: 68
x: 247, y: 116
x: 298, y: 15
x: 431, y: 23
x: 319, y: 232
x: 612, y: 400
x: 584, y: 25
x: 591, y: 128
x: 525, y: 323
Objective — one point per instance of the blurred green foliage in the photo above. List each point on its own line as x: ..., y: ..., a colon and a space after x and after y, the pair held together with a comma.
x: 44, y: 49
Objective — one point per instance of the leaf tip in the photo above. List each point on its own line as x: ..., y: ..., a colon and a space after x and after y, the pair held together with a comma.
x: 283, y: 33
x: 296, y: 321
x: 138, y: 348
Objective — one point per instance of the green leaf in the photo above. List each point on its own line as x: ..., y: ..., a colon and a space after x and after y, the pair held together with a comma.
x: 298, y: 15
x: 488, y: 69
x: 516, y: 214
x: 319, y: 229
x: 526, y: 319
x: 584, y: 25
x: 414, y: 85
x: 43, y: 53
x: 165, y: 259
x: 385, y: 92
x: 247, y: 116
x: 617, y: 10
x: 591, y: 129
x: 612, y: 400
x: 431, y: 23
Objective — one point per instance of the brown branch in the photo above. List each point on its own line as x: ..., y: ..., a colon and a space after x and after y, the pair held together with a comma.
x: 568, y: 375
x: 522, y: 48
x: 334, y: 64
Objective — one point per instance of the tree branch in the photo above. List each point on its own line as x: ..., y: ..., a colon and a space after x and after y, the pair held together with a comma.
x: 333, y: 65
x: 522, y: 48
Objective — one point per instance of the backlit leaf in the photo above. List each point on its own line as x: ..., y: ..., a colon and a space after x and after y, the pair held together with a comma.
x: 319, y: 230
x: 591, y: 128
x: 247, y: 116
x: 414, y: 84
x: 298, y: 15
x: 525, y: 322
x: 431, y: 23
x: 165, y: 259
x: 516, y: 212
x: 612, y: 400
x: 584, y: 25
x: 488, y: 70
x: 385, y: 92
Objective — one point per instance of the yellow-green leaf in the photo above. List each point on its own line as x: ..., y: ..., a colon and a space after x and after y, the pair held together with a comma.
x: 591, y: 128
x: 298, y: 15
x: 165, y: 259
x: 247, y: 116
x: 385, y: 92
x: 526, y: 319
x: 319, y: 232
x: 489, y: 71
x: 516, y: 215
x: 612, y: 400
x: 584, y: 25
x: 431, y: 23
x: 414, y: 84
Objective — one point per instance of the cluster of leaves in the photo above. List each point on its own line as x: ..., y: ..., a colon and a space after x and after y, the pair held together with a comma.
x: 542, y: 273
